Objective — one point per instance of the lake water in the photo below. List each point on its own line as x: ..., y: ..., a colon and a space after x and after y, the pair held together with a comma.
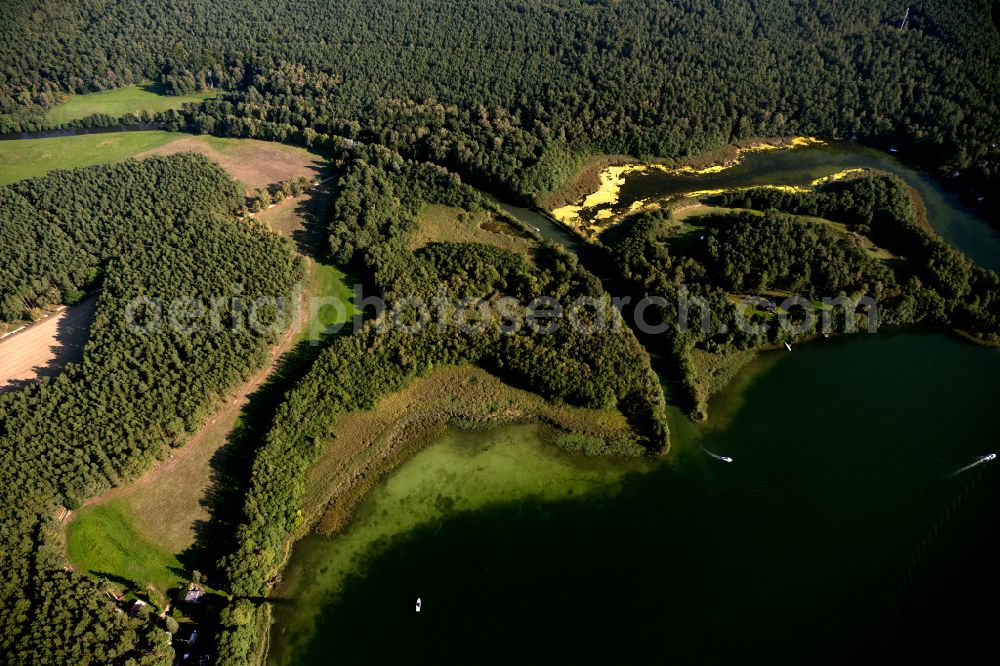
x: 837, y: 529
x: 839, y: 532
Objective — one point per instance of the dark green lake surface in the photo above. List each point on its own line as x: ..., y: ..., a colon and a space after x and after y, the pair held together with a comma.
x: 839, y: 532
x: 836, y: 531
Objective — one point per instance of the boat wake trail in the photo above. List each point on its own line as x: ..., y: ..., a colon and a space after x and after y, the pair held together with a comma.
x: 717, y: 457
x: 979, y: 461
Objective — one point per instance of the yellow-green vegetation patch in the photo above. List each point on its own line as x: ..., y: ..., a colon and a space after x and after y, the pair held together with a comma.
x: 29, y: 158
x: 369, y: 443
x: 460, y: 472
x: 121, y: 101
x: 103, y: 541
x: 599, y: 208
x: 584, y: 181
x: 437, y: 223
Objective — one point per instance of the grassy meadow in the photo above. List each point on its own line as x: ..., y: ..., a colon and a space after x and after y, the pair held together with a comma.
x: 29, y: 158
x: 121, y: 101
x: 328, y: 281
x: 104, y: 540
x: 254, y: 163
x: 437, y: 223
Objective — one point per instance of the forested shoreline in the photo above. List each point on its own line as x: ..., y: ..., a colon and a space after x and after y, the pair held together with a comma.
x: 777, y: 249
x: 419, y: 100
x: 379, y: 195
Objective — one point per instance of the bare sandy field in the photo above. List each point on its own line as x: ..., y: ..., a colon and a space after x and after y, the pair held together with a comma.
x: 44, y: 348
x: 254, y: 163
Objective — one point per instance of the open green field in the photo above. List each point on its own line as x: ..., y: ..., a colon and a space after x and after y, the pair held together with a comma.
x: 438, y: 223
x: 120, y: 101
x: 328, y: 281
x: 35, y: 157
x: 252, y: 162
x: 104, y: 541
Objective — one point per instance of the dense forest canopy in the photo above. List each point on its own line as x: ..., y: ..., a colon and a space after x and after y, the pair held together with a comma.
x: 416, y: 97
x: 165, y: 228
x: 507, y: 91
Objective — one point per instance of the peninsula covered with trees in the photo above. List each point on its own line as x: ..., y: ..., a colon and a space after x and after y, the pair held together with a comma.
x: 783, y: 243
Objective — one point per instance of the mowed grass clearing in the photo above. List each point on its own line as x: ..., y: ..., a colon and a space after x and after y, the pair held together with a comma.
x: 303, y: 219
x: 437, y: 223
x: 105, y: 541
x: 254, y: 163
x: 138, y: 532
x: 330, y: 283
x: 29, y: 158
x: 121, y: 101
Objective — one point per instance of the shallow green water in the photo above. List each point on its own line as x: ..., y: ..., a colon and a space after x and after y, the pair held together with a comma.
x: 836, y: 526
x: 462, y: 472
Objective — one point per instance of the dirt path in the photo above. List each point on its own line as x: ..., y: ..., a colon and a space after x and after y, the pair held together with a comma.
x: 191, y: 462
x: 45, y: 348
x: 213, y: 435
x: 314, y: 187
x: 168, y: 501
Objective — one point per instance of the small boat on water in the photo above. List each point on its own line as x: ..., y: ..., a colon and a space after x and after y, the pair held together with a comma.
x: 989, y: 457
x: 726, y: 459
x: 788, y: 346
x: 418, y: 604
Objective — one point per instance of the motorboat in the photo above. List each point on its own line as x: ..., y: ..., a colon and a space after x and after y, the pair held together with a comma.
x: 418, y: 604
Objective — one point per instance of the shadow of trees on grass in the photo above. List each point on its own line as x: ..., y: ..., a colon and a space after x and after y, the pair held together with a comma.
x: 232, y: 463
